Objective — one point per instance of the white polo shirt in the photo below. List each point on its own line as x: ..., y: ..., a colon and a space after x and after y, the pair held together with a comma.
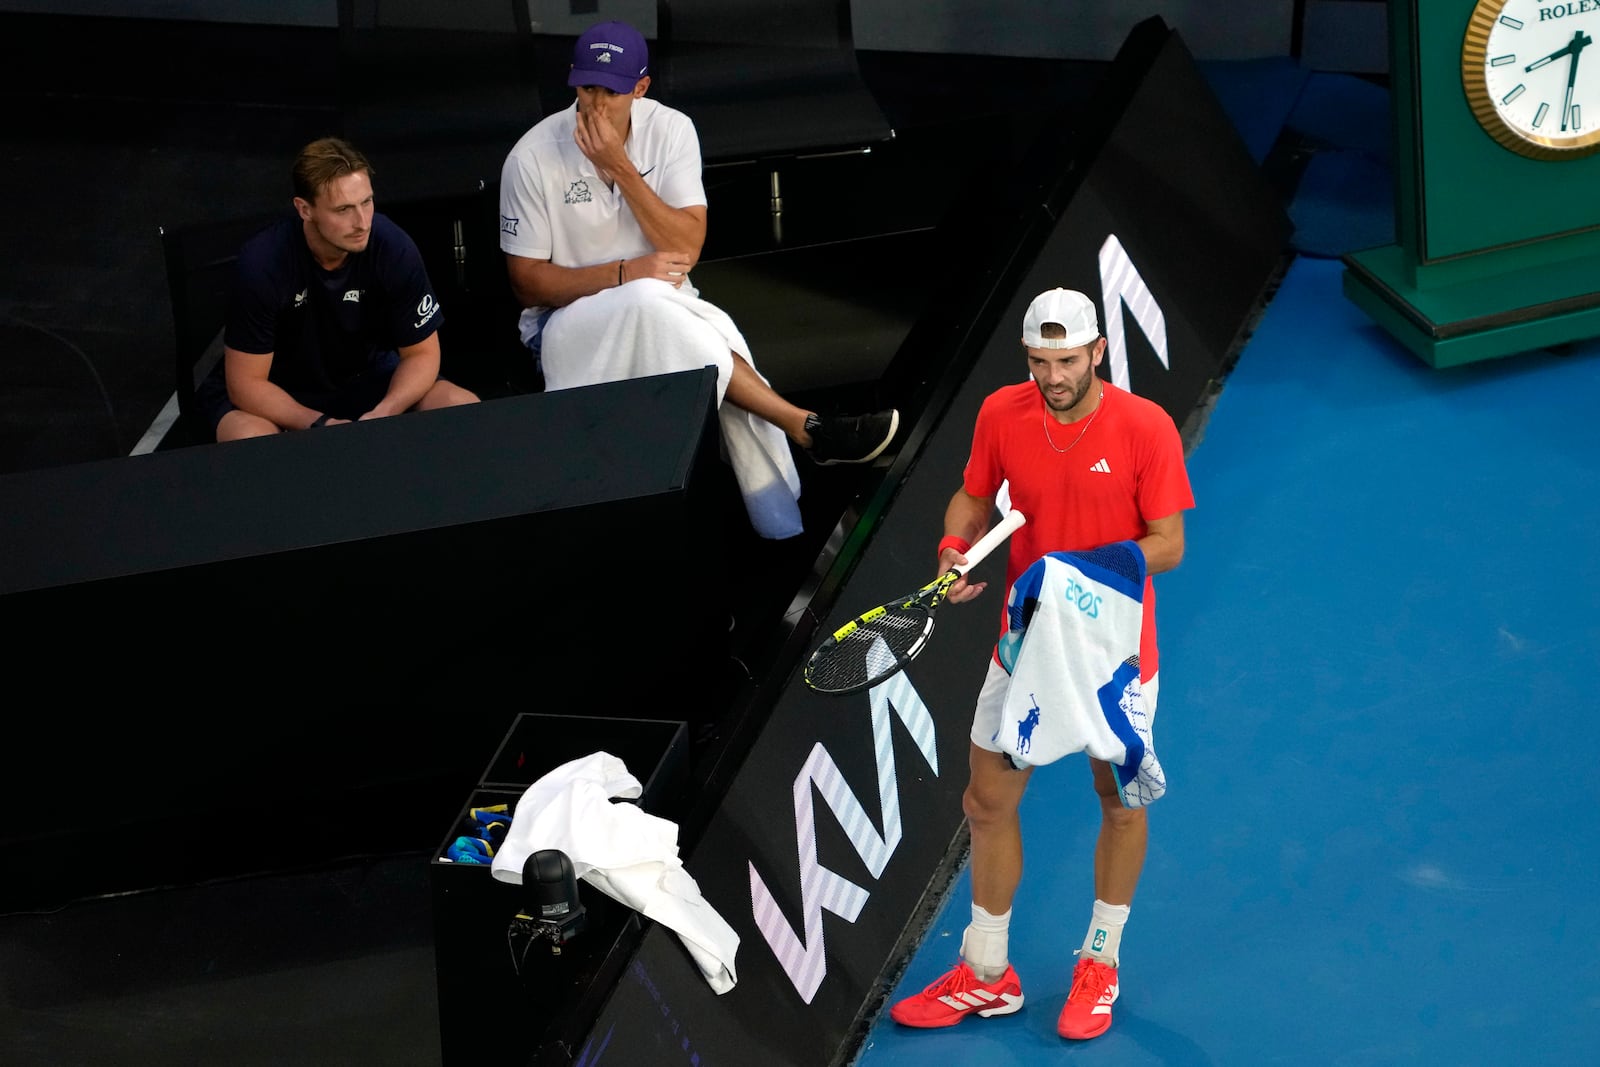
x: 554, y: 206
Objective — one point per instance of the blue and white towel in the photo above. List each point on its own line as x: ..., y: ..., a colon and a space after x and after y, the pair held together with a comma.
x: 1071, y: 646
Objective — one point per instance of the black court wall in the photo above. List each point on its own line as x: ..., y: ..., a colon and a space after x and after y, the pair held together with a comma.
x: 228, y: 658
x: 847, y: 809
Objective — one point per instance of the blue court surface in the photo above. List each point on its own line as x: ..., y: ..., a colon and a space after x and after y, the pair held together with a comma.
x: 1378, y: 726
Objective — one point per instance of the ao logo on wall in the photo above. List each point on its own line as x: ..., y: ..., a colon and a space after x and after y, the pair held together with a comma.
x: 804, y: 960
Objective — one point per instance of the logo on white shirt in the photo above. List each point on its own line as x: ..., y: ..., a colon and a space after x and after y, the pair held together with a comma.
x: 578, y: 192
x: 509, y: 225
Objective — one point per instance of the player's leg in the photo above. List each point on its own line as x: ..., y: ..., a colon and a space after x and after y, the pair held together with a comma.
x: 1120, y: 849
x: 748, y: 390
x: 991, y: 802
x: 239, y: 425
x: 982, y: 982
x: 1119, y: 855
x: 1118, y: 860
x: 827, y: 439
x: 366, y: 390
x: 444, y: 394
x: 227, y: 422
x: 568, y: 337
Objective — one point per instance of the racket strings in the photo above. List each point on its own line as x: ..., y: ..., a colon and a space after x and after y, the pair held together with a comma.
x: 870, y: 652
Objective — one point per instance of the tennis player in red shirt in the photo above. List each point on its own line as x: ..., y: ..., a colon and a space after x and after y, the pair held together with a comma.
x: 1089, y: 464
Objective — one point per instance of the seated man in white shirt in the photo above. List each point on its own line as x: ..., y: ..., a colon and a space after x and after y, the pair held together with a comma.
x: 602, y: 216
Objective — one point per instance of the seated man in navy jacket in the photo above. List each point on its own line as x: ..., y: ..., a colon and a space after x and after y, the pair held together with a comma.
x: 332, y: 317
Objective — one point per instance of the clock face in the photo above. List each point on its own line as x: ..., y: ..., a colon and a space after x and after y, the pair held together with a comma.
x: 1531, y: 71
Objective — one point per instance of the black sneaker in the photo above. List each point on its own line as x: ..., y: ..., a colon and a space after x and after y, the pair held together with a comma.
x: 850, y: 438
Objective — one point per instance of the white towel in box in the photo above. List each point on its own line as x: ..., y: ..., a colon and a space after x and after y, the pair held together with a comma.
x: 621, y: 850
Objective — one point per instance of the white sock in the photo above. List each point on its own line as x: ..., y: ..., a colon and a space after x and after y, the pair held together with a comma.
x: 986, y: 944
x: 1104, y: 939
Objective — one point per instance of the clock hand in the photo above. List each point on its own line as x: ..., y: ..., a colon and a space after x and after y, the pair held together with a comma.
x: 1579, y: 42
x: 1572, y: 46
x: 1552, y: 57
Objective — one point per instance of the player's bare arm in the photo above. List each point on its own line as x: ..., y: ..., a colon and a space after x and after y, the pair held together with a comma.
x: 680, y: 231
x: 251, y: 391
x: 418, y: 370
x: 540, y: 283
x: 1162, y: 544
x: 966, y: 517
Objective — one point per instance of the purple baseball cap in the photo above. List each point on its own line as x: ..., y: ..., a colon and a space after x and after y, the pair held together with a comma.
x: 610, y: 54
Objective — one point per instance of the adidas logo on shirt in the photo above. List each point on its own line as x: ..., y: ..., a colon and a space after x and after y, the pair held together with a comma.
x: 1102, y: 467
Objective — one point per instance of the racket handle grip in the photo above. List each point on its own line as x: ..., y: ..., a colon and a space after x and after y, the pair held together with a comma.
x: 991, y: 540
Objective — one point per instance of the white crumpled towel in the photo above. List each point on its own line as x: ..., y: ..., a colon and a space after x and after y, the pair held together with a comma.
x: 621, y: 850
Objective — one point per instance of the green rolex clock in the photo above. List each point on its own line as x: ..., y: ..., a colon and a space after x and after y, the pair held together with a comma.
x: 1526, y: 77
x: 1496, y: 125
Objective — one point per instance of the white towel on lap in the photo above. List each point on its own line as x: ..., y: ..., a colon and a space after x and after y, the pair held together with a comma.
x: 1074, y: 621
x: 648, y: 327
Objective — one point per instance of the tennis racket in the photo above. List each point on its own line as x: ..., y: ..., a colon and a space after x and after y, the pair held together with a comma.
x: 876, y: 645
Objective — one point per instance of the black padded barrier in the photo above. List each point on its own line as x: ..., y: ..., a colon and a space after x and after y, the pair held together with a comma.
x: 219, y: 649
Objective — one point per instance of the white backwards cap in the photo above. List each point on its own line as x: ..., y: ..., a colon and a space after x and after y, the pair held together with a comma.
x: 1067, y: 308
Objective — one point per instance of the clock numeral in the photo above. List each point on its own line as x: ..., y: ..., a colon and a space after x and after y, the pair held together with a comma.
x: 1508, y: 21
x: 1538, y: 117
x: 1513, y: 94
x: 1576, y: 122
x: 1500, y: 61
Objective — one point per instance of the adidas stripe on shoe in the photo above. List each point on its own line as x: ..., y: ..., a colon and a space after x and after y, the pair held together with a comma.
x: 1087, y: 1012
x: 957, y: 995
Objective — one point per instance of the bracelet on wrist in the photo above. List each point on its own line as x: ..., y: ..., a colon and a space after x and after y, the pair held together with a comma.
x: 951, y: 541
x: 320, y: 420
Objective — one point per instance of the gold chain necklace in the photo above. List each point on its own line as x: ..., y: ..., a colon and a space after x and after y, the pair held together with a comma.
x: 1099, y: 402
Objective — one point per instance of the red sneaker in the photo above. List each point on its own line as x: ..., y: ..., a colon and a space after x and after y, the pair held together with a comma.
x: 1087, y: 1012
x: 957, y: 995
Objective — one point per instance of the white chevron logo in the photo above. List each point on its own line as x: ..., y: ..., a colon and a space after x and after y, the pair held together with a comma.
x: 979, y: 998
x: 1121, y: 286
x: 1102, y: 467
